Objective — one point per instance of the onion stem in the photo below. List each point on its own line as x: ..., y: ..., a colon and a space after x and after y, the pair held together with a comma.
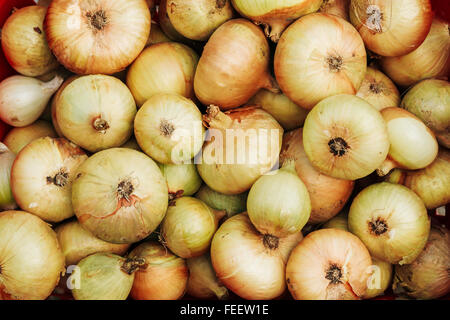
x: 131, y: 265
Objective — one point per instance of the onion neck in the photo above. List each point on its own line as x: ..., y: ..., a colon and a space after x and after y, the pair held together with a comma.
x: 131, y: 265
x: 289, y: 165
x: 269, y: 83
x: 53, y: 85
x: 274, y: 29
x: 386, y: 167
x: 221, y: 292
x: 214, y: 118
x: 219, y: 214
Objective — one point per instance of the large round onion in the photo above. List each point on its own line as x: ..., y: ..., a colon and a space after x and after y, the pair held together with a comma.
x: 251, y: 264
x: 242, y: 145
x: 329, y: 264
x: 42, y: 177
x: 18, y: 138
x: 318, y: 56
x: 7, y: 201
x: 97, y: 36
x: 328, y: 195
x: 182, y: 179
x: 232, y: 204
x: 339, y: 8
x: 233, y: 66
x: 391, y: 220
x: 120, y: 195
x: 31, y: 260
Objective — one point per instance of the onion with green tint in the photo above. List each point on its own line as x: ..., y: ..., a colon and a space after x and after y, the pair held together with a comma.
x: 232, y: 204
x: 182, y: 179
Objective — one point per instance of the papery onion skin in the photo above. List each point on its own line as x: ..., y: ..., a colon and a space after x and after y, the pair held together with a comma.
x: 328, y: 195
x: 24, y: 43
x: 232, y: 204
x: 18, y: 138
x: 182, y: 179
x: 166, y: 25
x: 7, y: 201
x: 329, y: 264
x: 339, y: 8
x: 164, y: 277
x: 90, y: 37
x: 156, y: 35
x: 380, y: 278
x: 249, y: 264
x: 391, y: 220
x: 120, y: 195
x: 31, y: 259
x: 42, y: 177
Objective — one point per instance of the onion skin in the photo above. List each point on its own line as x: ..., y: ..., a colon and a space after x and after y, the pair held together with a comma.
x: 156, y: 35
x: 311, y: 260
x: 18, y: 138
x: 182, y: 179
x: 166, y: 25
x: 245, y: 264
x: 54, y: 102
x: 164, y: 277
x: 318, y: 56
x: 31, y: 259
x: 98, y: 29
x: 232, y: 204
x: 339, y: 221
x: 339, y: 8
x: 380, y: 278
x: 7, y: 201
x: 233, y: 66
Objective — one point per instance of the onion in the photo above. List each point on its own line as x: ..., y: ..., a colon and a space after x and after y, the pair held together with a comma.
x: 104, y: 276
x: 392, y: 222
x: 18, y: 138
x: 253, y: 134
x: 287, y: 113
x: 430, y: 101
x: 318, y: 56
x: 203, y: 282
x: 233, y: 66
x: 329, y: 264
x: 345, y: 137
x: 380, y: 278
x: 24, y: 43
x: 182, y: 179
x: 328, y: 195
x: 379, y: 90
x: 120, y: 195
x: 339, y: 8
x: 427, y: 276
x: 132, y: 144
x: 232, y: 204
x: 339, y: 221
x: 413, y: 144
x: 248, y: 263
x: 164, y: 276
x: 7, y: 201
x: 156, y: 35
x: 99, y: 36
x: 431, y: 59
x: 23, y: 99
x: 188, y: 227
x: 197, y: 19
x: 275, y: 15
x: 162, y: 68
x: 42, y: 176
x: 168, y: 127
x: 77, y: 243
x: 31, y: 260
x: 166, y: 24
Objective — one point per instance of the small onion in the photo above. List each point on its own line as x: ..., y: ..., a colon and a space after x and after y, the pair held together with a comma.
x: 18, y: 138
x: 318, y: 56
x: 345, y: 137
x: 42, y: 176
x: 24, y: 43
x: 182, y: 179
x: 339, y: 8
x: 380, y: 278
x: 248, y: 263
x: 164, y: 276
x: 7, y: 201
x: 329, y: 264
x: 31, y: 261
x: 339, y: 221
x: 232, y: 204
x: 391, y: 220
x: 120, y: 195
x: 156, y: 35
x: 166, y: 24
x: 168, y: 127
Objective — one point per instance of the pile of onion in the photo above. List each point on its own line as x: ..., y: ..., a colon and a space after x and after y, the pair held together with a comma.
x: 7, y: 201
x: 232, y: 204
x: 18, y: 138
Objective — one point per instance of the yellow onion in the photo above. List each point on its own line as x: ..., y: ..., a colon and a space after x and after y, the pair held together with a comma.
x: 166, y: 24
x: 24, y: 99
x: 328, y: 195
x: 286, y: 112
x: 430, y: 101
x: 232, y: 204
x: 278, y: 204
x: 427, y: 277
x: 197, y: 19
x: 339, y: 221
x: 345, y: 137
x: 31, y: 261
x: 156, y: 35
x: 162, y: 68
x: 7, y: 201
x: 132, y: 144
x: 24, y: 42
x: 104, y: 276
x: 248, y: 263
x: 275, y: 15
x: 168, y: 127
x: 77, y: 243
x: 233, y: 66
x: 413, y: 144
x: 392, y: 222
x: 203, y: 282
x: 329, y: 264
x: 98, y: 36
x: 431, y: 59
x: 182, y: 179
x: 18, y: 138
x: 380, y: 278
x: 242, y: 144
x: 318, y: 56
x: 339, y: 8
x: 42, y: 177
x: 164, y: 276
x: 379, y: 90
x: 188, y: 227
x: 120, y: 195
